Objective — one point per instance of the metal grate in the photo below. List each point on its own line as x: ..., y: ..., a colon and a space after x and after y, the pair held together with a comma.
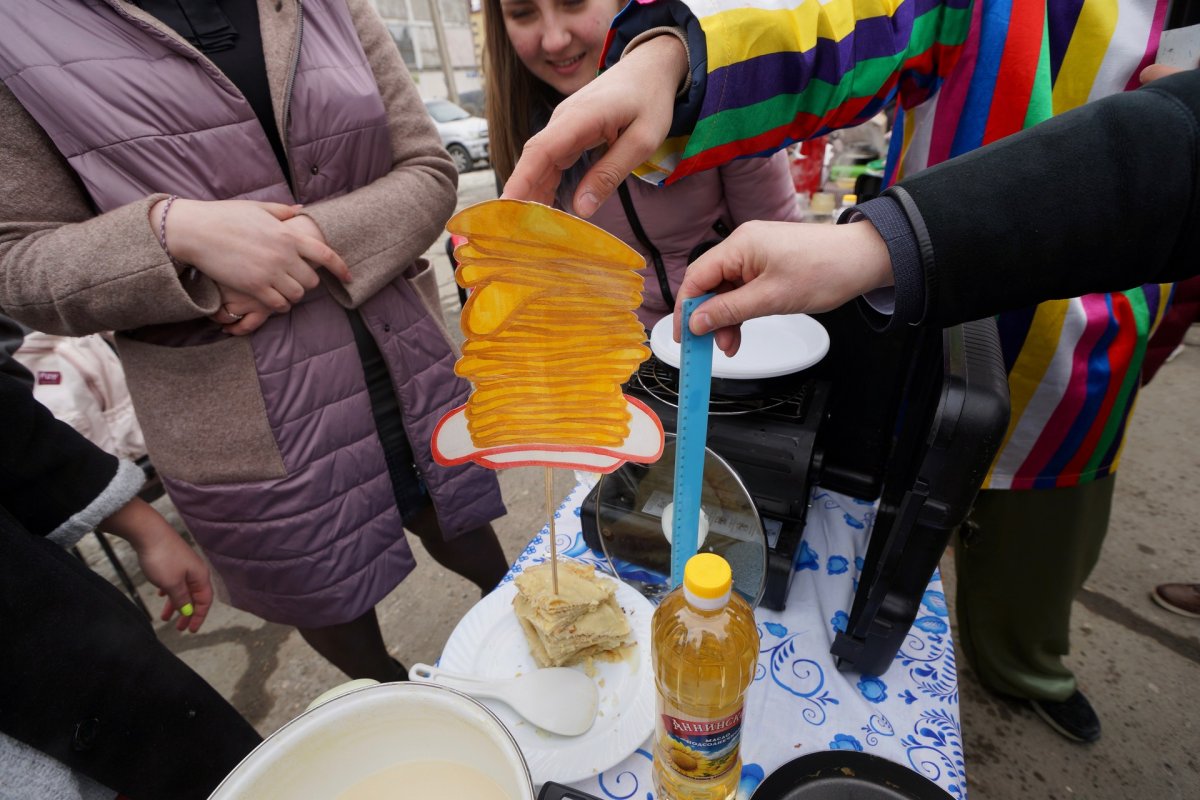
x: 661, y: 381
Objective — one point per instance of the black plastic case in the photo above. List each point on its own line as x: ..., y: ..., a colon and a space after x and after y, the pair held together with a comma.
x: 949, y: 425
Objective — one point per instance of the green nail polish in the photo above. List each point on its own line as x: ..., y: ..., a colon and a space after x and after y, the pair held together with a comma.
x: 187, y: 609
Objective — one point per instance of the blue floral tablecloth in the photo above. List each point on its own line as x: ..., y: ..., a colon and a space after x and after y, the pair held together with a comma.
x: 799, y: 702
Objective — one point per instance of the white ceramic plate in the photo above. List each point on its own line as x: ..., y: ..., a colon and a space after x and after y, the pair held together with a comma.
x: 488, y: 642
x: 771, y: 346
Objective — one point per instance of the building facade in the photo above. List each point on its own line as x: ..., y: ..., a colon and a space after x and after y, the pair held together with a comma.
x: 411, y: 26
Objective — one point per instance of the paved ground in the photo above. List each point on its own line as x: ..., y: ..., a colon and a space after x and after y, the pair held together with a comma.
x: 1138, y: 664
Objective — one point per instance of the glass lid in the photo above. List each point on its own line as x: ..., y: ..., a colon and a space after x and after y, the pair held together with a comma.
x: 633, y: 501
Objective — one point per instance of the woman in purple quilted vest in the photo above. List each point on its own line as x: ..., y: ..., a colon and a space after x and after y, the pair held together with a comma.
x: 243, y: 191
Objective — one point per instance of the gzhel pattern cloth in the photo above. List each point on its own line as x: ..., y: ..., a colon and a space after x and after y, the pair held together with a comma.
x: 799, y: 702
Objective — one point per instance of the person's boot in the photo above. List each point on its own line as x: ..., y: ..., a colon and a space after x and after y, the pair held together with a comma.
x: 1178, y: 598
x: 1073, y: 718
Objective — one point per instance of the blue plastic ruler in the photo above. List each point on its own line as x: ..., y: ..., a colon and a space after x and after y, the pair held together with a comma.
x: 691, y: 433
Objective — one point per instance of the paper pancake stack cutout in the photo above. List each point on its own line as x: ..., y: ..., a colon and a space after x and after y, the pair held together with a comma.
x: 551, y: 335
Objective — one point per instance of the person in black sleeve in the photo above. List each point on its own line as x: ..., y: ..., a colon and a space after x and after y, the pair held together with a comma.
x: 91, y: 703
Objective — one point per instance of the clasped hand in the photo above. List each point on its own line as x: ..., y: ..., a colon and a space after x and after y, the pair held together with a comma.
x: 262, y: 256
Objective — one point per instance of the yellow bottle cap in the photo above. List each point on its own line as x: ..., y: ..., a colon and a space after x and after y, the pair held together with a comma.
x: 707, y: 576
x: 850, y: 200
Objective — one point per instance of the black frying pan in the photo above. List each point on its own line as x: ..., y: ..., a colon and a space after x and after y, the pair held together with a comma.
x: 846, y: 775
x: 828, y: 775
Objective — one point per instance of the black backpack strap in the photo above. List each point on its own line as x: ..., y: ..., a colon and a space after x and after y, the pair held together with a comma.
x: 1183, y: 13
x: 664, y: 285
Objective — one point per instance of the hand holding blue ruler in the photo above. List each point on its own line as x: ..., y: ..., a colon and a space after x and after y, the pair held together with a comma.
x: 695, y: 383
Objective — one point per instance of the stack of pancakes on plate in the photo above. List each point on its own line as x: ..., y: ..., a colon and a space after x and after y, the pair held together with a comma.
x: 582, y: 621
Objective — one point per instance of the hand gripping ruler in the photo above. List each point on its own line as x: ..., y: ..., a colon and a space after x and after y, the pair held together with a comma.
x: 695, y: 381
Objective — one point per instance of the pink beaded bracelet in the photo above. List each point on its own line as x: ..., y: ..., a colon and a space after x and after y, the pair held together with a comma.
x: 162, y: 230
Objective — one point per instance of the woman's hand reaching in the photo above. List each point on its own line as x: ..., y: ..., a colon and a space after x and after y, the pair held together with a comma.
x: 262, y: 250
x: 628, y: 108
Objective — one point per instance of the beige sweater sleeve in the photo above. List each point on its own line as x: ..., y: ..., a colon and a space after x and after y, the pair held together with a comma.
x: 66, y: 270
x: 383, y: 227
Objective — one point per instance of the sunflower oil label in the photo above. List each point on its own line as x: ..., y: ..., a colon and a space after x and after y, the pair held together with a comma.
x: 700, y: 748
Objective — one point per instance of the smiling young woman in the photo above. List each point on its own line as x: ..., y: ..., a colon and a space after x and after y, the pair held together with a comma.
x: 538, y: 52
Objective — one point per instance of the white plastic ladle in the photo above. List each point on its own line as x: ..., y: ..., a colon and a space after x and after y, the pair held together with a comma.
x: 556, y: 699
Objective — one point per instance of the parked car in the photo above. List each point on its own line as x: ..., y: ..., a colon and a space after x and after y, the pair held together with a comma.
x: 464, y: 136
x: 472, y: 101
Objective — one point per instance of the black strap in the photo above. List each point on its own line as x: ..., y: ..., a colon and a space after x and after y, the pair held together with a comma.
x: 664, y: 285
x: 1183, y: 13
x: 201, y: 22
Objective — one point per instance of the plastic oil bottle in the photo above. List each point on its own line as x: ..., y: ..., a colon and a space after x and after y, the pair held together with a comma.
x: 705, y: 648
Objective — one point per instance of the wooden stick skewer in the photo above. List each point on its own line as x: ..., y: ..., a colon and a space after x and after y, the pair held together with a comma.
x: 553, y: 538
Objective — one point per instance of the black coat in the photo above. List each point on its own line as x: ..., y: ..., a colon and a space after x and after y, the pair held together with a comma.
x: 83, y: 677
x: 1098, y: 199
